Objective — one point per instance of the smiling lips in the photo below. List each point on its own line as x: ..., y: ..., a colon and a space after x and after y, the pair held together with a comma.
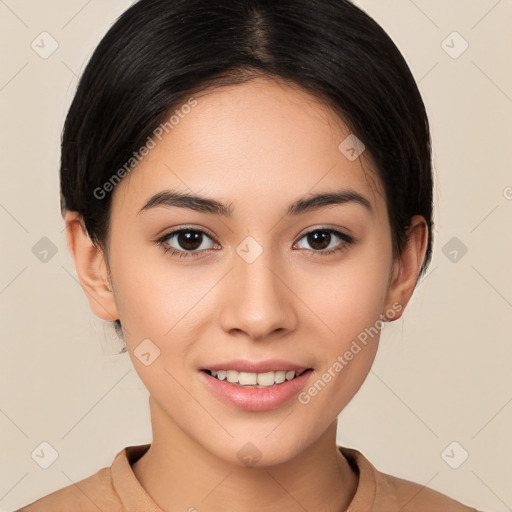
x: 256, y: 386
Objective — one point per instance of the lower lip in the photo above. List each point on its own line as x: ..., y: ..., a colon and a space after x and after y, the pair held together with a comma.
x: 256, y: 399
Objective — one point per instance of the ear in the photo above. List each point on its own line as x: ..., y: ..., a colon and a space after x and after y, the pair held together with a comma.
x: 406, y: 267
x: 91, y: 268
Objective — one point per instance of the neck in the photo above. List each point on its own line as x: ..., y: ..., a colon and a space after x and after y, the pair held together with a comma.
x: 179, y: 474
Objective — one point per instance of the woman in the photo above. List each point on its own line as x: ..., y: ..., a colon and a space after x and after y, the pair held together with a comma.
x: 247, y: 193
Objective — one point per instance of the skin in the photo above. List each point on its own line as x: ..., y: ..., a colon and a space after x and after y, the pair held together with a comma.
x: 258, y: 146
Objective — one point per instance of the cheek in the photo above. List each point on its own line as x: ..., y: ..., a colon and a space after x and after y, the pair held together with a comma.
x: 350, y: 303
x: 350, y: 297
x: 153, y: 295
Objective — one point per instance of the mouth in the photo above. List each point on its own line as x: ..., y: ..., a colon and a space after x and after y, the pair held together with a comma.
x: 256, y: 380
x: 256, y: 386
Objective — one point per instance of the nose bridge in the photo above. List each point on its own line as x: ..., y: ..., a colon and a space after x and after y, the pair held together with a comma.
x: 257, y: 302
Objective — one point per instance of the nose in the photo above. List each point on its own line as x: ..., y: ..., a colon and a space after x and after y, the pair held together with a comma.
x: 259, y: 300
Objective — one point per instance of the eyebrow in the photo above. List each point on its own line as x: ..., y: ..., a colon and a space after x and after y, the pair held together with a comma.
x: 173, y: 198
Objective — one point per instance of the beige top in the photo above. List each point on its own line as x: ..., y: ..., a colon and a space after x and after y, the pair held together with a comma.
x: 116, y: 489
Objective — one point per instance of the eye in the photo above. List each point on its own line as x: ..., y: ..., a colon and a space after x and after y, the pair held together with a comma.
x: 322, y: 238
x: 189, y: 242
x: 186, y: 241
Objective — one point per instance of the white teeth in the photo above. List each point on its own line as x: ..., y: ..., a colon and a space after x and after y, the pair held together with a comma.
x: 255, y: 379
x: 280, y: 377
x: 247, y: 379
x: 265, y: 379
x: 232, y: 376
x: 290, y: 375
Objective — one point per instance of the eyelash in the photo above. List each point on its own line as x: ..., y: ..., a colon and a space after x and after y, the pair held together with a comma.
x: 346, y: 241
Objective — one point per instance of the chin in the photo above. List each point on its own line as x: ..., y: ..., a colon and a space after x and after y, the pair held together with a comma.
x: 259, y: 450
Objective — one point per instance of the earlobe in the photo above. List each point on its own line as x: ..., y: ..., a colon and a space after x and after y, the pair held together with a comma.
x: 407, y: 265
x: 91, y: 267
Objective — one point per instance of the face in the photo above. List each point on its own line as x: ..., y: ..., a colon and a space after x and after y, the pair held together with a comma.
x: 254, y: 283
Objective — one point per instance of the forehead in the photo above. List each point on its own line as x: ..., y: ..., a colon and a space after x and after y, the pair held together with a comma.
x: 257, y: 143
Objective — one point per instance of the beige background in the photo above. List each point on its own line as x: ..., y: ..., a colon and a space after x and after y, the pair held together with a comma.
x: 443, y: 371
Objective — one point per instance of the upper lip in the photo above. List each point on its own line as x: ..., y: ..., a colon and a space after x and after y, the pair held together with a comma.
x: 269, y: 365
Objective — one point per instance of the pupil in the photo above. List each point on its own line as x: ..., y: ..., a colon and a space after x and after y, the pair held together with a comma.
x: 190, y: 239
x: 317, y: 237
